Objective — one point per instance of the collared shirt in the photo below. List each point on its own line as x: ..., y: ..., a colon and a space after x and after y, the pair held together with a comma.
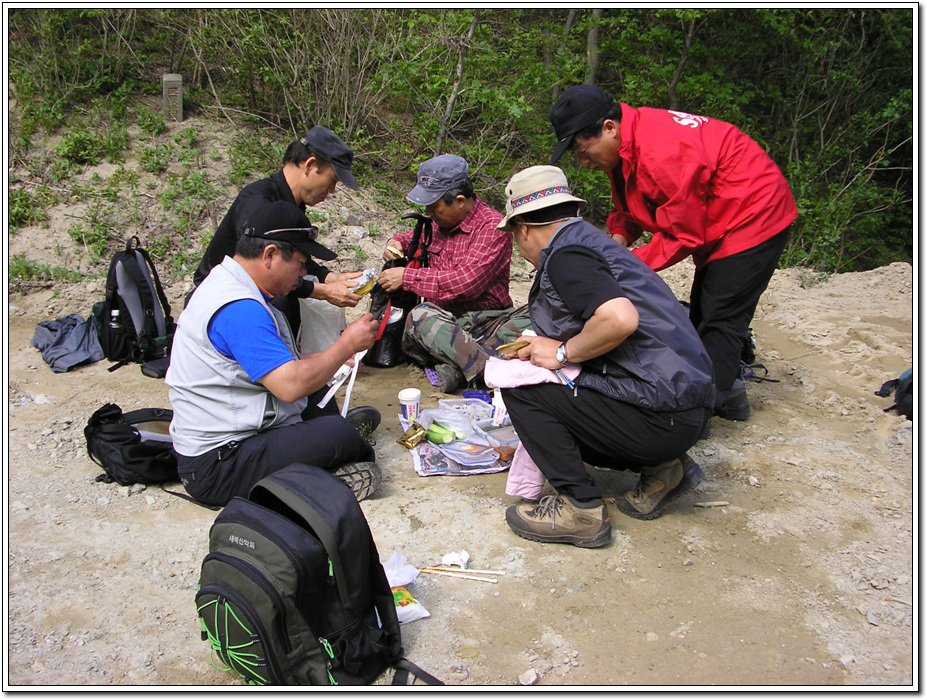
x: 701, y: 186
x: 468, y: 265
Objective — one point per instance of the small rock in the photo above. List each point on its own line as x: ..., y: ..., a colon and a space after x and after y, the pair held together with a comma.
x: 872, y: 619
x: 847, y: 659
x: 137, y: 488
x: 150, y: 500
x: 102, y: 501
x: 652, y: 636
x: 753, y: 481
x: 529, y: 677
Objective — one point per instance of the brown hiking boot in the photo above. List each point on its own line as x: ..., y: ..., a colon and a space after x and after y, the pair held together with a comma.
x: 556, y: 519
x: 659, y: 486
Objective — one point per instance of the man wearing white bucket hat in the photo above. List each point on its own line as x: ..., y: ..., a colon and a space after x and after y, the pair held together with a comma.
x: 644, y: 392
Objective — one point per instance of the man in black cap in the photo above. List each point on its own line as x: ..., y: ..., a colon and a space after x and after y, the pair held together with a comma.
x: 702, y: 188
x: 245, y: 400
x: 312, y: 167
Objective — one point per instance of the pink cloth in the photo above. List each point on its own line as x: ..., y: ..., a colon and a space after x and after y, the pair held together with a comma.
x: 524, y: 479
x: 506, y: 374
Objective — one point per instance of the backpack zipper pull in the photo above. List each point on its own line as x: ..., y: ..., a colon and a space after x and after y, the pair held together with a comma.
x: 328, y: 664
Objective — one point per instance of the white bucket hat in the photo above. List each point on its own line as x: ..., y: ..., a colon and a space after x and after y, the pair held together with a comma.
x: 537, y: 187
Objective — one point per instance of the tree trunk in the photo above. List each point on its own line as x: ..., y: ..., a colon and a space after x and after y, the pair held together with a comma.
x: 677, y: 76
x: 458, y: 78
x: 592, y: 47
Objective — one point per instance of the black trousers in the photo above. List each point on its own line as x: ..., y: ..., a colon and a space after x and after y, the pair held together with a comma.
x: 723, y: 300
x: 561, y: 430
x: 323, y: 439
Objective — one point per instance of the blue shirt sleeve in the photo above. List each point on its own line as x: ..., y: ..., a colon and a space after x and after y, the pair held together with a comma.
x: 245, y: 332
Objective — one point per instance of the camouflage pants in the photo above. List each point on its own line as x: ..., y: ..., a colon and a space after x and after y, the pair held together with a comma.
x: 434, y: 336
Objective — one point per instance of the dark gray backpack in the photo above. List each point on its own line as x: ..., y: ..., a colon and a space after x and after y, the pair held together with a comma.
x: 134, y: 321
x: 292, y: 591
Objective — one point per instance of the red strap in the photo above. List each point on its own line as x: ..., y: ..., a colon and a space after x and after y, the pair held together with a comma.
x: 384, y: 320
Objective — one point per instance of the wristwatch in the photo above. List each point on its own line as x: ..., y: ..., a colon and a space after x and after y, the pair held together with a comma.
x: 561, y: 354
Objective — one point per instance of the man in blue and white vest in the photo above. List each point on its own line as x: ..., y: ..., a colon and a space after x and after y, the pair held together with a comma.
x: 244, y: 398
x: 644, y: 393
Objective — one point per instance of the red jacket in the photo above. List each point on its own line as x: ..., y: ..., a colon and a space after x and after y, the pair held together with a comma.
x: 701, y: 186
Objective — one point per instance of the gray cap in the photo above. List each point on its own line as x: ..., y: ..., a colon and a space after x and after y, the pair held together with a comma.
x: 436, y: 176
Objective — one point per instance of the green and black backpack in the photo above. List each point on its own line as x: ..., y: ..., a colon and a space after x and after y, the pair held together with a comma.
x: 292, y: 591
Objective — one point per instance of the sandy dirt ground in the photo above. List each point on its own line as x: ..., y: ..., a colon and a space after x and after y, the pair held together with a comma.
x: 805, y: 578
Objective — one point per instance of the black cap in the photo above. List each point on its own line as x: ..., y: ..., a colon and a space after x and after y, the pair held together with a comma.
x: 578, y: 107
x: 323, y: 142
x: 282, y: 221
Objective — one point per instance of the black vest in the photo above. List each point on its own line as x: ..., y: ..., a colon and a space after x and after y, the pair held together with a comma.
x: 663, y: 365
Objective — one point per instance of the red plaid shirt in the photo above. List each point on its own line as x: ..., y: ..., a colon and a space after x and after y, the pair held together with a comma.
x: 468, y: 266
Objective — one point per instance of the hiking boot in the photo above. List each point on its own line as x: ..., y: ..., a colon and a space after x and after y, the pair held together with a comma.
x: 556, y: 519
x: 736, y: 406
x: 365, y: 420
x: 659, y: 486
x: 362, y: 477
x: 451, y: 378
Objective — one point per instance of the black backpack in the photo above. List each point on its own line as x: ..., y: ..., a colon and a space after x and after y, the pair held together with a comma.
x: 133, y: 447
x: 134, y: 320
x: 292, y: 591
x: 903, y: 388
x: 386, y: 350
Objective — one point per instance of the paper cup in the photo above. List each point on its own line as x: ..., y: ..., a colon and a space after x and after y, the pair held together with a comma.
x: 409, y: 400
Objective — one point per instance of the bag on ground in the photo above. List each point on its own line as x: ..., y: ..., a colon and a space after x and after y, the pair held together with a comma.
x: 133, y: 447
x: 292, y: 591
x: 134, y: 320
x: 903, y: 388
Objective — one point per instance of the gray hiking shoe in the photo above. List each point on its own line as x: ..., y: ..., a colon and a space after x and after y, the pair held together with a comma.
x: 362, y: 477
x: 556, y: 519
x: 659, y: 486
x: 451, y: 378
x: 365, y: 420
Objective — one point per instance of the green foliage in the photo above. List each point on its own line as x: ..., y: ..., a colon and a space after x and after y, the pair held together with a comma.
x: 23, y: 270
x: 26, y: 208
x: 828, y: 91
x: 157, y: 159
x: 149, y: 122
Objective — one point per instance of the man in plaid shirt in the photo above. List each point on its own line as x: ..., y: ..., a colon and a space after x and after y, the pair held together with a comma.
x: 467, y: 311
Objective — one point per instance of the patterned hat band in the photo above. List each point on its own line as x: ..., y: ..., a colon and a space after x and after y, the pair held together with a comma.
x: 521, y: 201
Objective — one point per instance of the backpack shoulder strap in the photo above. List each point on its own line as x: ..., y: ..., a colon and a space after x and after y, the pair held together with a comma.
x: 158, y: 288
x: 405, y: 667
x: 321, y: 528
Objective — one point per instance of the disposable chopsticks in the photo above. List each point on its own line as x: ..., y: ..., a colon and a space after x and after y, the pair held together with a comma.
x: 454, y: 574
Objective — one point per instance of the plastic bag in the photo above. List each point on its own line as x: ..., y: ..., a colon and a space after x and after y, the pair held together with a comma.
x: 321, y: 323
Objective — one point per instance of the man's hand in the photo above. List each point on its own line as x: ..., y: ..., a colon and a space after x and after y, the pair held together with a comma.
x: 540, y: 351
x: 351, y: 279
x: 337, y: 293
x: 361, y: 333
x: 389, y: 254
x: 391, y: 279
x: 620, y: 239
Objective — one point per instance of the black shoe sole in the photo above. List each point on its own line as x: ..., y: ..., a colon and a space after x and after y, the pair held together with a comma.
x: 691, y: 477
x: 600, y: 539
x: 362, y: 480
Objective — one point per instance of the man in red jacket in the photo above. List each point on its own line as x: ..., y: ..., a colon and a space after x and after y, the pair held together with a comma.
x: 702, y: 188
